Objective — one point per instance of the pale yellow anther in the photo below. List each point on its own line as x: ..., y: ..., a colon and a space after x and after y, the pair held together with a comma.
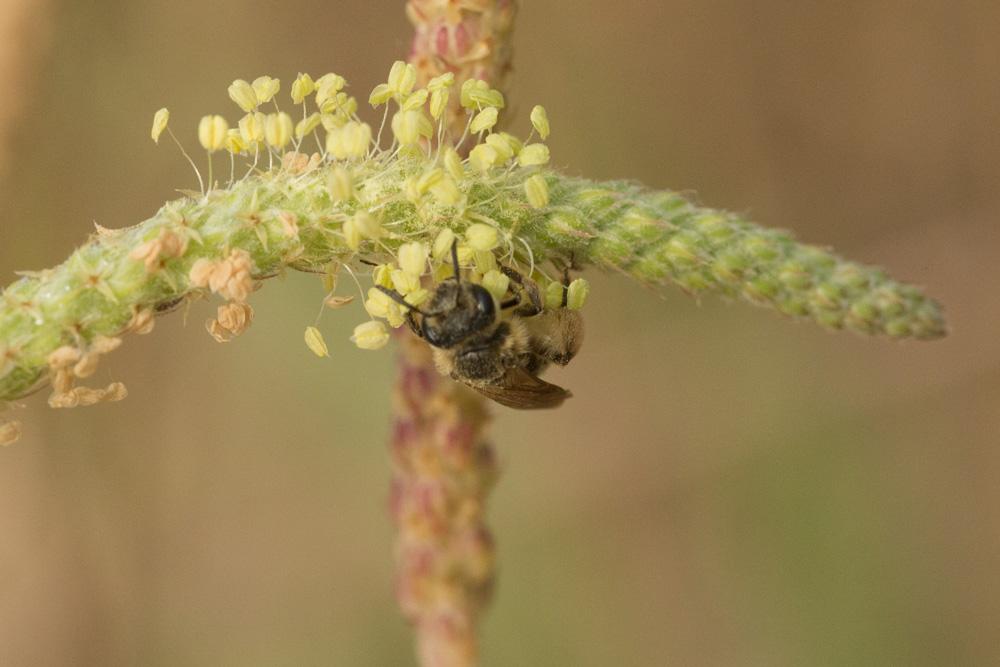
x: 495, y: 283
x: 370, y: 336
x: 429, y: 179
x: 442, y: 245
x: 484, y: 120
x: 368, y: 225
x: 212, y: 132
x: 446, y: 191
x: 417, y: 296
x: 160, y: 120
x: 514, y: 142
x: 328, y: 88
x: 340, y: 184
x: 533, y: 155
x: 411, y: 188
x: 234, y: 142
x: 485, y: 261
x: 439, y: 102
x: 540, y: 121
x: 483, y: 157
x: 332, y: 81
x: 443, y: 82
x: 307, y: 125
x: 266, y: 88
x: 402, y: 78
x: 405, y: 282
x: 503, y: 147
x: 482, y: 237
x: 453, y: 163
x: 413, y: 258
x: 342, y: 105
x: 252, y: 128
x: 537, y: 190
x: 477, y: 94
x: 577, y: 293
x: 316, y: 343
x: 410, y: 126
x: 382, y: 275
x: 350, y: 141
x: 378, y: 303
x: 554, y: 295
x: 380, y: 94
x: 334, y: 121
x: 278, y: 130
x: 352, y: 235
x: 302, y: 87
x: 465, y: 254
x: 243, y: 94
x: 414, y: 100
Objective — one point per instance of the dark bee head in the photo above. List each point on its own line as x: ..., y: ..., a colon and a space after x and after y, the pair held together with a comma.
x: 455, y: 312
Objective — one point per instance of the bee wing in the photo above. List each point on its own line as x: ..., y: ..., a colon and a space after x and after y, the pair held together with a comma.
x: 523, y: 391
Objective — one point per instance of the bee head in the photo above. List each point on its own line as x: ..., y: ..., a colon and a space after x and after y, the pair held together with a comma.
x: 457, y: 310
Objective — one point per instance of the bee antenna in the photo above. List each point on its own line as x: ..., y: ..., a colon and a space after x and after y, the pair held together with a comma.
x: 398, y: 298
x: 454, y: 259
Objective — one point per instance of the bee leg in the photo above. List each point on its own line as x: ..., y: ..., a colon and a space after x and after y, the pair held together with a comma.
x: 411, y: 321
x: 527, y: 287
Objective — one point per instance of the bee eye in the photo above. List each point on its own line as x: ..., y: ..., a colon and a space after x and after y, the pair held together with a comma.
x: 484, y: 302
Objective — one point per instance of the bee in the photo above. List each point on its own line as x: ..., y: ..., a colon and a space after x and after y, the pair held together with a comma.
x: 499, y: 354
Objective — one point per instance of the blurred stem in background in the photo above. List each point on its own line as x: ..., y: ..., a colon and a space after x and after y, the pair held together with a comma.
x: 443, y: 466
x: 23, y: 37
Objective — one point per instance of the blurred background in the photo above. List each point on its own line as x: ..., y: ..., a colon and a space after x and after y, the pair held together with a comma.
x: 726, y: 488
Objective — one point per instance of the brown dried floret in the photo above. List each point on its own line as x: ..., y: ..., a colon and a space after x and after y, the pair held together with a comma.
x: 231, y: 321
x: 167, y: 245
x: 230, y: 278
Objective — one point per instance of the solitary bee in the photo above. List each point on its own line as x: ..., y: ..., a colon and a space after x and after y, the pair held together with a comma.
x: 498, y: 354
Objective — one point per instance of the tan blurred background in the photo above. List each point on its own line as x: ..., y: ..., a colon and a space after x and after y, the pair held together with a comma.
x: 727, y: 487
